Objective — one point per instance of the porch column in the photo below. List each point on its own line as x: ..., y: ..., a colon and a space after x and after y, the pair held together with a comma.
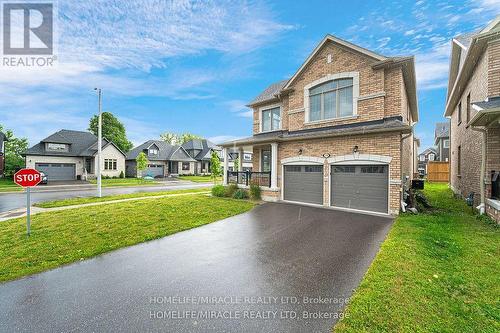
x: 274, y: 165
x: 226, y: 163
x: 240, y: 158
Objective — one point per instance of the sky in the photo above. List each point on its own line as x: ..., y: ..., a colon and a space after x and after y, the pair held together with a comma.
x: 185, y: 66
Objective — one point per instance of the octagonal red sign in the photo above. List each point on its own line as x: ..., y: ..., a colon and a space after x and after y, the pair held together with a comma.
x: 27, y: 177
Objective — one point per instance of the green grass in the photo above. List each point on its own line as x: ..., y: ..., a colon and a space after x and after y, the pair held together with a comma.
x: 435, y: 272
x: 125, y: 182
x: 200, y: 179
x: 67, y: 236
x: 8, y: 185
x: 81, y: 201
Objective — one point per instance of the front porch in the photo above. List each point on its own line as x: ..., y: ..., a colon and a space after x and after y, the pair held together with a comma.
x: 264, y: 170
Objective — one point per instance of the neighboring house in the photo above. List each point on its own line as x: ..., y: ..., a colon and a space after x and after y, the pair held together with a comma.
x: 3, y: 139
x: 430, y: 154
x: 201, y: 150
x: 338, y: 133
x: 442, y: 141
x: 70, y: 155
x: 473, y: 106
x: 247, y: 162
x: 164, y: 160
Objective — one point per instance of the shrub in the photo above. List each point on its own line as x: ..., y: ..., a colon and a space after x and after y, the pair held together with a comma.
x: 231, y: 189
x: 122, y: 175
x: 240, y: 194
x: 218, y: 191
x: 255, y: 192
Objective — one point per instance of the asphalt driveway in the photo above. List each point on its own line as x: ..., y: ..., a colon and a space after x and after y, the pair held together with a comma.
x: 277, y: 268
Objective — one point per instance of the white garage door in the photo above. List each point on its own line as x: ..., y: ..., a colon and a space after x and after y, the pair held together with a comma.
x: 363, y: 187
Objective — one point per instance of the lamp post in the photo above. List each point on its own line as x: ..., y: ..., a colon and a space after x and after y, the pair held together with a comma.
x: 99, y: 144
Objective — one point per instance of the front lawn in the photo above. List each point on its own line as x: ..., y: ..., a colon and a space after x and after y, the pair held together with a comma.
x: 7, y: 185
x: 81, y: 201
x: 67, y: 236
x: 200, y: 179
x: 112, y: 182
x: 435, y: 272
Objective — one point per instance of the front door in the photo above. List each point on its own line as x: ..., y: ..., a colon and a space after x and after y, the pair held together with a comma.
x: 174, y: 167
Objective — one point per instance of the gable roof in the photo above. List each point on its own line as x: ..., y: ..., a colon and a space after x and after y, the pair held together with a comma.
x: 428, y: 151
x: 442, y: 130
x: 466, y: 51
x: 80, y: 144
x: 166, y: 152
x: 204, y: 145
x: 407, y: 63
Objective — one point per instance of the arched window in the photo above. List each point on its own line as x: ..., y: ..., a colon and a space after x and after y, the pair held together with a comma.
x: 331, y: 99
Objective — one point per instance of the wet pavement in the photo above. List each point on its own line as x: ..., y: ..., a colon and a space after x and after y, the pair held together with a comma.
x: 277, y: 268
x: 16, y: 200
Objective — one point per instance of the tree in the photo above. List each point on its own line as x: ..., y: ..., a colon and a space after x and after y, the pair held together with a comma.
x: 237, y: 164
x: 215, y: 167
x: 14, y: 147
x: 112, y: 129
x: 142, y: 163
x: 178, y: 139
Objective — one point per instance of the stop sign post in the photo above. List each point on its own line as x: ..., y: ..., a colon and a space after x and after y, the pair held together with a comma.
x: 28, y: 178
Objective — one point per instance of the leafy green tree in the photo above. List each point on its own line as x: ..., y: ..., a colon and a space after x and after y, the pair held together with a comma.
x: 112, y: 129
x: 142, y: 163
x: 215, y: 167
x: 178, y: 139
x: 14, y: 147
x: 236, y: 166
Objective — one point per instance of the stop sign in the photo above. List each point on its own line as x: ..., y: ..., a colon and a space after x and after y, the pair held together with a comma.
x: 27, y: 177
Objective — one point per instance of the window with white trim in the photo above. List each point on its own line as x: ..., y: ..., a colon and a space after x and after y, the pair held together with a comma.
x: 57, y: 146
x: 271, y: 119
x: 331, y: 99
x: 110, y: 164
x: 446, y: 143
x: 432, y: 157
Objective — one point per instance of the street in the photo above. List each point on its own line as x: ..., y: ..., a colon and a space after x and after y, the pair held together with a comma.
x: 10, y: 201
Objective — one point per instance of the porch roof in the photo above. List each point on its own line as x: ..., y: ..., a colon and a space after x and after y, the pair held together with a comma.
x: 376, y: 126
x: 487, y: 112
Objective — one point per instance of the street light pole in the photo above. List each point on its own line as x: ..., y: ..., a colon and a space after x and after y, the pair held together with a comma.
x: 99, y: 144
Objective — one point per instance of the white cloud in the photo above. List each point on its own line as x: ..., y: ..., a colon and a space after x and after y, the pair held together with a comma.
x: 239, y: 107
x: 432, y: 67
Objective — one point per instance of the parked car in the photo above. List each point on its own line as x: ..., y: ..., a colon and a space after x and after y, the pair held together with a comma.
x: 44, y: 178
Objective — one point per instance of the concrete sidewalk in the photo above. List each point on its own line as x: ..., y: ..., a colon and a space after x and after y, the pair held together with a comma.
x: 13, y: 214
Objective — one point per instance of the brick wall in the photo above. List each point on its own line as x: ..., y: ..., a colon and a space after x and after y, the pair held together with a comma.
x: 371, y: 82
x: 464, y: 136
x: 494, y: 68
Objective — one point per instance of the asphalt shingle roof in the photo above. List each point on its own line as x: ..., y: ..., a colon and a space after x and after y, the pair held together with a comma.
x: 442, y: 130
x: 165, y: 152
x: 80, y: 144
x: 270, y: 92
x: 204, y: 145
x: 491, y: 103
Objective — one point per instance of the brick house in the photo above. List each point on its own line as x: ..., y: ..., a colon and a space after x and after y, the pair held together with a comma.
x: 338, y: 133
x: 442, y: 141
x: 473, y: 106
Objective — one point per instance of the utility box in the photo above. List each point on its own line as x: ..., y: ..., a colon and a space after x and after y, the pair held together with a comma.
x: 417, y: 184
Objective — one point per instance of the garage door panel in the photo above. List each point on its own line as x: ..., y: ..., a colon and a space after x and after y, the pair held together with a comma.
x: 155, y: 170
x: 360, y: 187
x: 303, y: 184
x: 57, y: 171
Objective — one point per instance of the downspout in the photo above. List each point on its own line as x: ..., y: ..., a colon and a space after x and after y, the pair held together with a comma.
x: 483, y: 167
x: 401, y: 197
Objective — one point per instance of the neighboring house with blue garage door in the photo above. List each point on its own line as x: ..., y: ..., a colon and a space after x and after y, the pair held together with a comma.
x: 163, y: 160
x: 71, y: 155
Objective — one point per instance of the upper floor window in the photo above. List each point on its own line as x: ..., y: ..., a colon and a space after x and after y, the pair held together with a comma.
x: 153, y: 151
x: 468, y: 109
x: 57, y: 147
x: 422, y: 158
x: 247, y: 157
x: 332, y: 99
x: 446, y: 143
x: 432, y: 157
x: 271, y: 119
x: 459, y: 118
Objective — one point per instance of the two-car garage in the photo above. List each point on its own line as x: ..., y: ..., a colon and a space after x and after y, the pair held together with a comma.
x: 57, y: 171
x: 358, y: 187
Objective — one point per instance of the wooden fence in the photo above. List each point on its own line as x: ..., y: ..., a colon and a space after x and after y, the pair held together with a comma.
x: 438, y: 171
